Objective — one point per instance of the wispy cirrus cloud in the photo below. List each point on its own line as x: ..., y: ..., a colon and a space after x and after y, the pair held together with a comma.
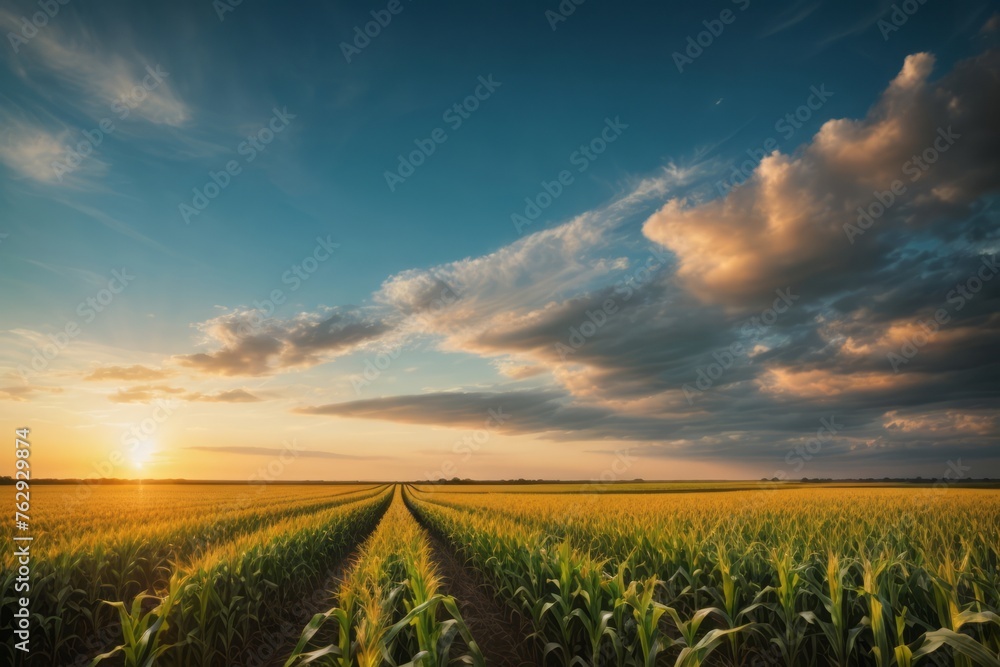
x: 29, y: 149
x: 791, y: 16
x: 93, y: 78
x: 80, y: 86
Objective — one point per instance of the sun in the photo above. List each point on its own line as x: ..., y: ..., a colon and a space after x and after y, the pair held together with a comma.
x: 143, y: 454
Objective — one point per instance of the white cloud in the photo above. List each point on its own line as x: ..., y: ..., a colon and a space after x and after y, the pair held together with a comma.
x: 94, y: 79
x: 30, y: 150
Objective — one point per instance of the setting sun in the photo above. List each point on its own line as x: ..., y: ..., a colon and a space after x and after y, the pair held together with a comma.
x: 143, y: 453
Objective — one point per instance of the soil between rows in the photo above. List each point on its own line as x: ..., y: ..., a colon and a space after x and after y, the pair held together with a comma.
x: 324, y: 600
x: 503, y: 640
x: 501, y: 635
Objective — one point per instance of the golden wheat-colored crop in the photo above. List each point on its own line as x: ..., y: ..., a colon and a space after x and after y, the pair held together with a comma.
x: 126, y: 541
x: 390, y: 606
x: 794, y: 577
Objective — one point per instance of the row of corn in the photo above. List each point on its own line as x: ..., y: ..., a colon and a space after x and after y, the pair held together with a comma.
x: 100, y: 552
x: 390, y: 609
x: 218, y: 608
x: 870, y: 577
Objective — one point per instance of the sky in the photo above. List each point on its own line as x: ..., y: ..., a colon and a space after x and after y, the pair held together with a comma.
x: 411, y: 240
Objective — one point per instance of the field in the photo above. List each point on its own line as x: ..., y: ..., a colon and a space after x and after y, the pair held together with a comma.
x: 657, y: 574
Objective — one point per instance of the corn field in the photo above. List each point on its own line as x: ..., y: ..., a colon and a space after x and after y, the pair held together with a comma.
x: 644, y: 575
x: 839, y: 577
x: 390, y: 608
x: 118, y: 548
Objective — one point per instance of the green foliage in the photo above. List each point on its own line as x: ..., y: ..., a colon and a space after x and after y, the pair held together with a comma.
x: 795, y: 577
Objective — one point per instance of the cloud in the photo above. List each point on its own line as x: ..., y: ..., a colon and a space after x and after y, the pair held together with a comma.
x: 793, y: 222
x: 135, y: 373
x: 250, y: 344
x: 829, y: 385
x: 295, y: 453
x: 944, y: 423
x: 506, y: 412
x: 81, y: 82
x: 30, y: 150
x: 517, y: 371
x: 148, y: 393
x: 454, y: 302
x: 94, y: 79
x: 992, y: 24
x: 559, y: 416
x: 144, y: 393
x: 22, y: 393
x: 608, y: 334
x: 231, y: 396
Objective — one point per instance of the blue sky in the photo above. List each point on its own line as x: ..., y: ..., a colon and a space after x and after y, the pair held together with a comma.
x: 343, y: 124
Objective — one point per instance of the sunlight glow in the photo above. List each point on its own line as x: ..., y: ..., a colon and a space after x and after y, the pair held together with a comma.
x: 143, y: 454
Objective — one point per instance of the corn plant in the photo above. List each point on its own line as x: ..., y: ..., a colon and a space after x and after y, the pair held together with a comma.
x: 118, y: 543
x: 215, y: 606
x: 838, y: 576
x: 390, y: 607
